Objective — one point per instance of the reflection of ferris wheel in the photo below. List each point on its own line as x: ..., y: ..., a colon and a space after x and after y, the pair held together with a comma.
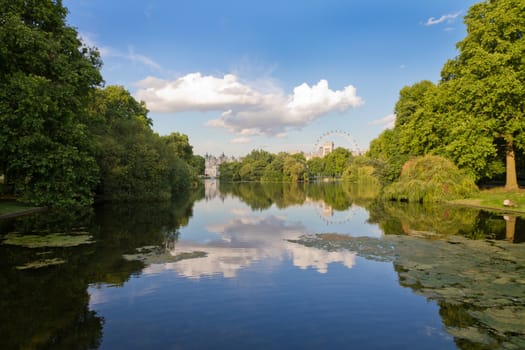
x: 330, y: 217
x: 327, y: 139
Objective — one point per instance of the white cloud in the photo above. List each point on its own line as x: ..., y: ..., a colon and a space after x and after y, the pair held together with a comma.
x: 246, y: 110
x: 387, y: 122
x: 241, y: 140
x: 449, y: 18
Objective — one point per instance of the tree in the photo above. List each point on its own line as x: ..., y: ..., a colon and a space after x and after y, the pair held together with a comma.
x: 316, y: 166
x: 337, y: 161
x: 135, y: 162
x: 180, y: 145
x: 385, y: 148
x: 293, y: 169
x: 198, y: 163
x: 430, y: 178
x: 254, y: 164
x: 489, y: 75
x: 46, y: 81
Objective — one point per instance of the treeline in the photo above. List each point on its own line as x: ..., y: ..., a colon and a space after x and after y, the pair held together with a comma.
x: 260, y: 165
x: 474, y: 116
x: 340, y: 164
x: 64, y: 140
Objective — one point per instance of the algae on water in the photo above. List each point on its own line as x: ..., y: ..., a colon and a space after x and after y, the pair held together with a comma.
x: 159, y: 255
x: 482, y: 281
x: 41, y: 263
x: 52, y: 240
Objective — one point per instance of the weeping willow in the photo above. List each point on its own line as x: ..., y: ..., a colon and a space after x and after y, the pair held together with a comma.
x: 430, y: 179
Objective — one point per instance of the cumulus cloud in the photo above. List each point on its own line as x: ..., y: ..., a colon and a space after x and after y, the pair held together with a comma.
x: 387, y: 122
x: 449, y: 18
x: 245, y: 109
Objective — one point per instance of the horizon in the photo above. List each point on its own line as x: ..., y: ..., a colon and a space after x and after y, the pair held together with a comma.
x: 275, y: 76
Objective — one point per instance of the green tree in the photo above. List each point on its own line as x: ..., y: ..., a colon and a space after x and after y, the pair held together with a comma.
x: 489, y: 75
x: 198, y: 163
x: 254, y: 164
x: 430, y: 178
x: 293, y: 169
x: 46, y: 80
x: 180, y: 145
x: 385, y: 149
x: 135, y: 163
x: 316, y: 166
x: 337, y: 161
x: 229, y: 171
x: 274, y: 171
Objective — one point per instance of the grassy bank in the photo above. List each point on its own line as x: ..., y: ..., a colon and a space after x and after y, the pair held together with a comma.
x: 492, y: 199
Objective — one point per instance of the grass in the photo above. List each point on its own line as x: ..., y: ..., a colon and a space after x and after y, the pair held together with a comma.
x: 492, y: 199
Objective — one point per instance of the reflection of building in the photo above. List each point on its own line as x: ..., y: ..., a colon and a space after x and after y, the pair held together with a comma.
x: 211, y: 189
x: 326, y: 210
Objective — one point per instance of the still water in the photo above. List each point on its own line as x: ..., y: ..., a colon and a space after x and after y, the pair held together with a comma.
x: 251, y: 266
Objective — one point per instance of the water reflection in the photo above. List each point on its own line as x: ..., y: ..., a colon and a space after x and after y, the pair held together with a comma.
x: 238, y: 236
x: 445, y: 220
x: 49, y: 307
x: 221, y: 230
x: 245, y: 239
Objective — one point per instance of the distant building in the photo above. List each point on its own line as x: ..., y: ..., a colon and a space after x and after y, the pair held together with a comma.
x: 327, y: 148
x: 212, y: 164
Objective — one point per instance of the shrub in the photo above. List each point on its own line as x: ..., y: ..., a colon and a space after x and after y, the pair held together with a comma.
x: 430, y: 179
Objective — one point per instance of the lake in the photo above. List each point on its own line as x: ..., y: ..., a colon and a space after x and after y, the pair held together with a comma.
x: 264, y: 266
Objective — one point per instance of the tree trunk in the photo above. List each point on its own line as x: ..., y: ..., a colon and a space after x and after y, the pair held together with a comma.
x: 511, y: 183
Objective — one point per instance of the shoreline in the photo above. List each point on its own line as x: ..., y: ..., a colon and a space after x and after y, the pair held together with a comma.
x: 466, y: 203
x: 23, y: 212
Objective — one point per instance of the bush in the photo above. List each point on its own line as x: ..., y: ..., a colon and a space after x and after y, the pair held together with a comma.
x: 430, y: 179
x: 363, y: 171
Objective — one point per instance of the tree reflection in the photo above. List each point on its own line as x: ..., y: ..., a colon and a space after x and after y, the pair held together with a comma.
x: 428, y: 220
x: 260, y: 196
x: 48, y: 307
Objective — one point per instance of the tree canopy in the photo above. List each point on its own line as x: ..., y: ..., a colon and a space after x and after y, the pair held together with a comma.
x: 46, y: 81
x: 475, y: 114
x: 64, y: 138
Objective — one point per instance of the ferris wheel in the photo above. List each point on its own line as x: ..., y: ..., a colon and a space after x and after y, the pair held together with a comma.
x: 348, y: 141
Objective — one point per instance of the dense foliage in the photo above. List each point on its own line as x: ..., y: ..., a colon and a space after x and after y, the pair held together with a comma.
x: 260, y: 165
x: 475, y: 114
x: 46, y: 80
x: 430, y: 179
x: 62, y: 137
x: 136, y: 163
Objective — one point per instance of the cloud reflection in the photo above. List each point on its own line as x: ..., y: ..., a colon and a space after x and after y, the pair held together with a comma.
x: 246, y: 239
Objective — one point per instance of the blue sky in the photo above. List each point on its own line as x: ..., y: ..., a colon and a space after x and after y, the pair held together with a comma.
x: 238, y: 75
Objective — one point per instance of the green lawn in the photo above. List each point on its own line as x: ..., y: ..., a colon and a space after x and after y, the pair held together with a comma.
x: 493, y: 199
